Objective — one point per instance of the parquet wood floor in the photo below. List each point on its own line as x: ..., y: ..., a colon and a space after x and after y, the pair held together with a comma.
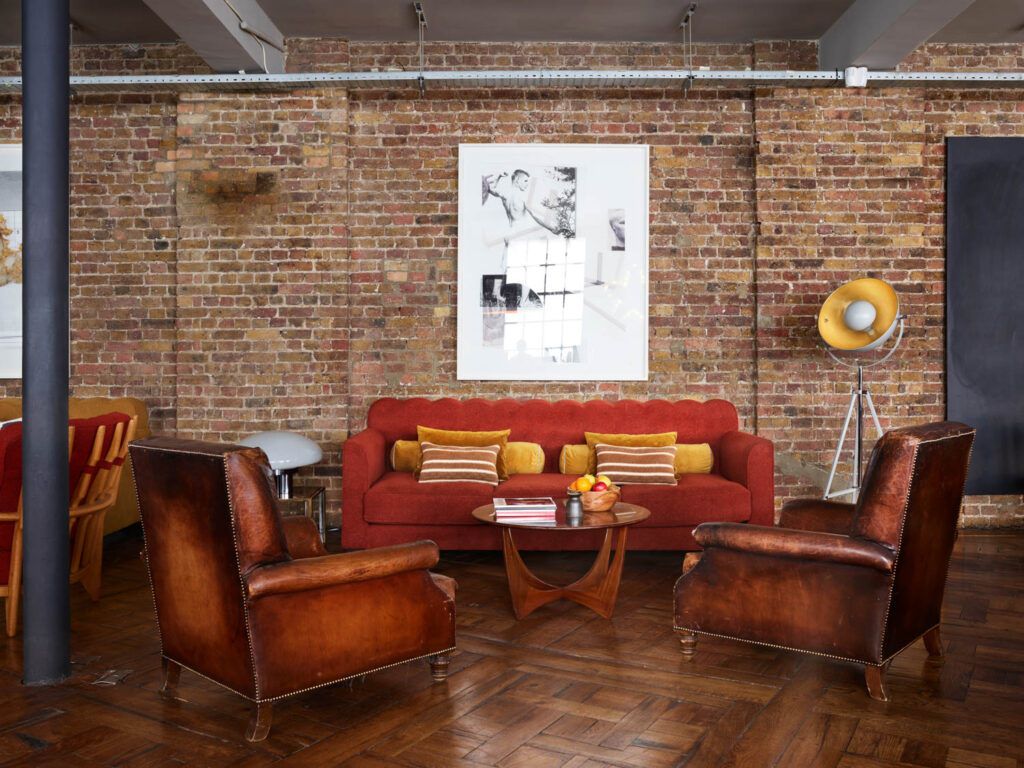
x: 563, y: 687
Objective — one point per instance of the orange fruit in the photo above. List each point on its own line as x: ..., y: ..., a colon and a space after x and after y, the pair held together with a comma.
x: 583, y: 484
x: 572, y: 486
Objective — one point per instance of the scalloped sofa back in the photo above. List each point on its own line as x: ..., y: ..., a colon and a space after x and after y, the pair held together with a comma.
x: 381, y: 506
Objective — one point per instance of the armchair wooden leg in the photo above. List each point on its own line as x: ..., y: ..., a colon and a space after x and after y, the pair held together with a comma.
x: 933, y: 644
x: 172, y: 673
x: 687, y: 643
x: 874, y: 676
x: 259, y: 724
x: 439, y: 666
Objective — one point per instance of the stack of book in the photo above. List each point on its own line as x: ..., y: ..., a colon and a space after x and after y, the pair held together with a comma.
x: 534, y: 510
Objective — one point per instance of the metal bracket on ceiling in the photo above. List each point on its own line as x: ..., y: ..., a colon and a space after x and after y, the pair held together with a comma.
x: 421, y: 20
x: 687, y: 28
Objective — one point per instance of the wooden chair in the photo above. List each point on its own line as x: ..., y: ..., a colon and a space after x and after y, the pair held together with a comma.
x: 94, y: 482
x: 93, y: 494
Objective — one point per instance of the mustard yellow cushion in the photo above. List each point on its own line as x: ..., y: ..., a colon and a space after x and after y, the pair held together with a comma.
x: 406, y: 456
x: 463, y: 438
x: 573, y: 459
x: 693, y: 459
x: 524, y: 458
x: 657, y: 440
x: 520, y: 458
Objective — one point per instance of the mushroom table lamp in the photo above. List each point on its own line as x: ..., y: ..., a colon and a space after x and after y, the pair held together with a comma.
x: 285, y: 451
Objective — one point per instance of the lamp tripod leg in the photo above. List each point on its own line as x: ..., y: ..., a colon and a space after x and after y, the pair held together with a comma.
x: 874, y: 415
x: 839, y: 445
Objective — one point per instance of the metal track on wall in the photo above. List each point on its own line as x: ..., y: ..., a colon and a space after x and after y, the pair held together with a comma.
x: 528, y: 78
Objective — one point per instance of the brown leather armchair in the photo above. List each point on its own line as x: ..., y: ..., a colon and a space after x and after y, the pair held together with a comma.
x: 253, y: 601
x: 852, y: 582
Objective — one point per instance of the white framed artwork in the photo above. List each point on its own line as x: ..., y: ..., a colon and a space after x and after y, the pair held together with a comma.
x: 10, y: 261
x: 553, y: 262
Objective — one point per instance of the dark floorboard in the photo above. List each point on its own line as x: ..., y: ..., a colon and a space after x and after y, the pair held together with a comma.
x: 563, y: 687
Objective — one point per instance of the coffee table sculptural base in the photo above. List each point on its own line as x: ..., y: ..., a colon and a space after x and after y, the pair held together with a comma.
x: 598, y: 588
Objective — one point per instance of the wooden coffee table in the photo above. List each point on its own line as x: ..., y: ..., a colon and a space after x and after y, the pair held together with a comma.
x: 598, y: 588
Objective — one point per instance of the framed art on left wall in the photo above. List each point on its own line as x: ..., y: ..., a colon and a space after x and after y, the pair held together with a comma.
x: 10, y: 261
x: 553, y: 255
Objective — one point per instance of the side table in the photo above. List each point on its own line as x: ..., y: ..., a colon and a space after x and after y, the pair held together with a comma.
x: 307, y: 496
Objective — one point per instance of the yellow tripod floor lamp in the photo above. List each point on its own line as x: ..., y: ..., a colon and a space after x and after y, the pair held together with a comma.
x: 857, y: 317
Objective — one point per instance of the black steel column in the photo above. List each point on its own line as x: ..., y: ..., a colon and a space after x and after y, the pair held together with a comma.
x: 45, y: 69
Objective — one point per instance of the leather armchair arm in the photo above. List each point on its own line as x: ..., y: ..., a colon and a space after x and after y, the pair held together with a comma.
x: 800, y: 545
x: 331, y: 570
x: 750, y: 461
x: 817, y: 515
x: 302, y: 537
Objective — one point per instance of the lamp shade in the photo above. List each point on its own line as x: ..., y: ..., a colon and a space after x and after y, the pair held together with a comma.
x: 285, y: 450
x: 859, y: 315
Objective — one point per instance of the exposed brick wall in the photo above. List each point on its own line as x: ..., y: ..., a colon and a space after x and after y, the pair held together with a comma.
x: 280, y: 260
x: 262, y: 275
x: 404, y: 216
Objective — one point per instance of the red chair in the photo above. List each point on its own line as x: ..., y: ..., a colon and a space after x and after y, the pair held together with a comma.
x: 10, y: 521
x: 97, y: 448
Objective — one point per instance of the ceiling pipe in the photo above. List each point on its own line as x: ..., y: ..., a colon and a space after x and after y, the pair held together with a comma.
x: 533, y: 78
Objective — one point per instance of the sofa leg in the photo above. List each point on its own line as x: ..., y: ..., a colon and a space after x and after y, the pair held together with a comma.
x: 259, y: 724
x: 874, y: 676
x: 172, y: 672
x: 933, y: 644
x: 687, y: 644
x: 439, y: 666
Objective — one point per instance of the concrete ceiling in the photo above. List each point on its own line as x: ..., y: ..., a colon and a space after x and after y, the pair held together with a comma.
x: 132, y: 21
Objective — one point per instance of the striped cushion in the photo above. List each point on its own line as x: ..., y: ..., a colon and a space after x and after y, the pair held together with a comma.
x: 459, y: 463
x: 633, y: 465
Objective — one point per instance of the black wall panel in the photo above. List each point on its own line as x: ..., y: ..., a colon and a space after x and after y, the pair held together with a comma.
x: 985, y: 305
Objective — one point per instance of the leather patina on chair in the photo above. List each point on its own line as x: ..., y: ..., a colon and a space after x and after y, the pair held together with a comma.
x: 856, y: 582
x: 254, y: 602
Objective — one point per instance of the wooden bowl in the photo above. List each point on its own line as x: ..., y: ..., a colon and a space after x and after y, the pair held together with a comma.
x: 600, y: 501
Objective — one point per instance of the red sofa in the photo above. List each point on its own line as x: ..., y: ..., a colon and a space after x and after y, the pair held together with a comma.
x: 381, y: 506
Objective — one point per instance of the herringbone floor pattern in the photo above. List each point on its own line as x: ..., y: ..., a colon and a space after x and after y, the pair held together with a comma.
x: 560, y: 688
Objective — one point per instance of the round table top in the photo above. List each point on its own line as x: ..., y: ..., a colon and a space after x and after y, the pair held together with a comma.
x: 620, y: 515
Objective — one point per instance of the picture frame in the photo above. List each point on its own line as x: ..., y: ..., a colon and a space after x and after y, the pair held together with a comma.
x: 10, y: 261
x: 553, y: 262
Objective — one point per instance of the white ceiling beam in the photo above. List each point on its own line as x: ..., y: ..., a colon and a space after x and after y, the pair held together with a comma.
x: 230, y: 35
x: 881, y: 33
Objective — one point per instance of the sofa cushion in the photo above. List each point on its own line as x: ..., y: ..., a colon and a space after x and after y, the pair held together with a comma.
x: 550, y: 484
x: 690, y: 457
x: 398, y: 499
x: 459, y: 463
x: 520, y: 457
x: 696, y: 499
x: 637, y: 464
x: 629, y: 439
x: 466, y: 437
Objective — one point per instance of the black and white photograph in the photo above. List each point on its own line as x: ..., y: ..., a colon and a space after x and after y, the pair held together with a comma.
x: 541, y: 228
